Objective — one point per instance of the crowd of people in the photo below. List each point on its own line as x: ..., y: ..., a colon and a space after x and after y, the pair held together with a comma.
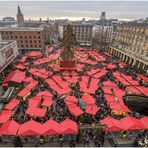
x: 59, y: 111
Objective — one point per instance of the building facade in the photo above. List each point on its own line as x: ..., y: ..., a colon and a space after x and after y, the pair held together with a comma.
x: 28, y: 39
x: 8, y: 52
x: 131, y: 45
x: 103, y: 30
x: 82, y: 32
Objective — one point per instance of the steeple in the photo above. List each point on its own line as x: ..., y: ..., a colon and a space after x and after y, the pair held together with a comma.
x: 20, y: 17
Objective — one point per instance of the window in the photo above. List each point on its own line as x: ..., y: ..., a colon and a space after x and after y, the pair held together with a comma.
x: 9, y: 53
x: 35, y: 45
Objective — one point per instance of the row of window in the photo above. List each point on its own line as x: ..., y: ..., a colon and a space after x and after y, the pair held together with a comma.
x: 9, y: 32
x: 31, y: 46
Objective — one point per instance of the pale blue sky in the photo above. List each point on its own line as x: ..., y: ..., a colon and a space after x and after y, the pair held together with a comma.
x: 75, y: 9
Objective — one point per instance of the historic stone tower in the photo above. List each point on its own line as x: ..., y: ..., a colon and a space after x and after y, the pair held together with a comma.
x: 20, y: 18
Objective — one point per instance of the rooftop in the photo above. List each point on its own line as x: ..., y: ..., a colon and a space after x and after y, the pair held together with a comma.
x: 21, y: 29
x: 135, y: 24
x: 4, y: 44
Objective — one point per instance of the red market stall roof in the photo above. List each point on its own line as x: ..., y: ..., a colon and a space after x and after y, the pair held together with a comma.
x: 68, y: 127
x: 87, y: 87
x: 133, y: 123
x: 109, y: 98
x: 91, y: 109
x: 12, y: 104
x: 41, y: 61
x: 106, y: 90
x: 9, y: 128
x: 144, y: 121
x: 60, y: 86
x: 133, y: 90
x: 109, y: 84
x: 42, y: 73
x: 73, y: 79
x: 47, y: 101
x: 118, y: 92
x: 112, y: 124
x: 34, y: 102
x: 143, y: 77
x: 44, y: 93
x: 75, y: 110
x: 34, y: 54
x: 80, y: 67
x: 30, y: 111
x: 142, y: 89
x: 5, y: 115
x: 30, y: 128
x: 20, y: 66
x: 23, y: 59
x: 51, y: 127
x: 15, y: 76
x: 70, y: 73
x: 40, y: 112
x: 111, y: 66
x: 71, y: 99
x: 28, y: 79
x: 88, y: 99
x: 28, y: 88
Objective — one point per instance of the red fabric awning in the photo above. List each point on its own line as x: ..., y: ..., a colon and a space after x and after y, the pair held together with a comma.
x: 112, y: 124
x: 23, y: 59
x: 92, y: 109
x: 133, y: 123
x: 40, y: 112
x: 34, y: 54
x: 34, y: 102
x: 9, y: 128
x: 5, y: 115
x: 73, y: 79
x: 88, y: 99
x: 20, y: 66
x: 143, y: 77
x: 30, y: 128
x: 107, y: 90
x: 28, y: 88
x: 41, y: 61
x: 12, y: 104
x: 51, y: 127
x: 142, y: 89
x: 109, y: 98
x: 111, y: 66
x: 45, y: 93
x: 15, y: 76
x: 133, y: 90
x: 144, y: 121
x: 68, y: 127
x: 71, y: 99
x: 75, y: 110
x: 28, y: 79
x: 109, y: 84
x: 47, y: 101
